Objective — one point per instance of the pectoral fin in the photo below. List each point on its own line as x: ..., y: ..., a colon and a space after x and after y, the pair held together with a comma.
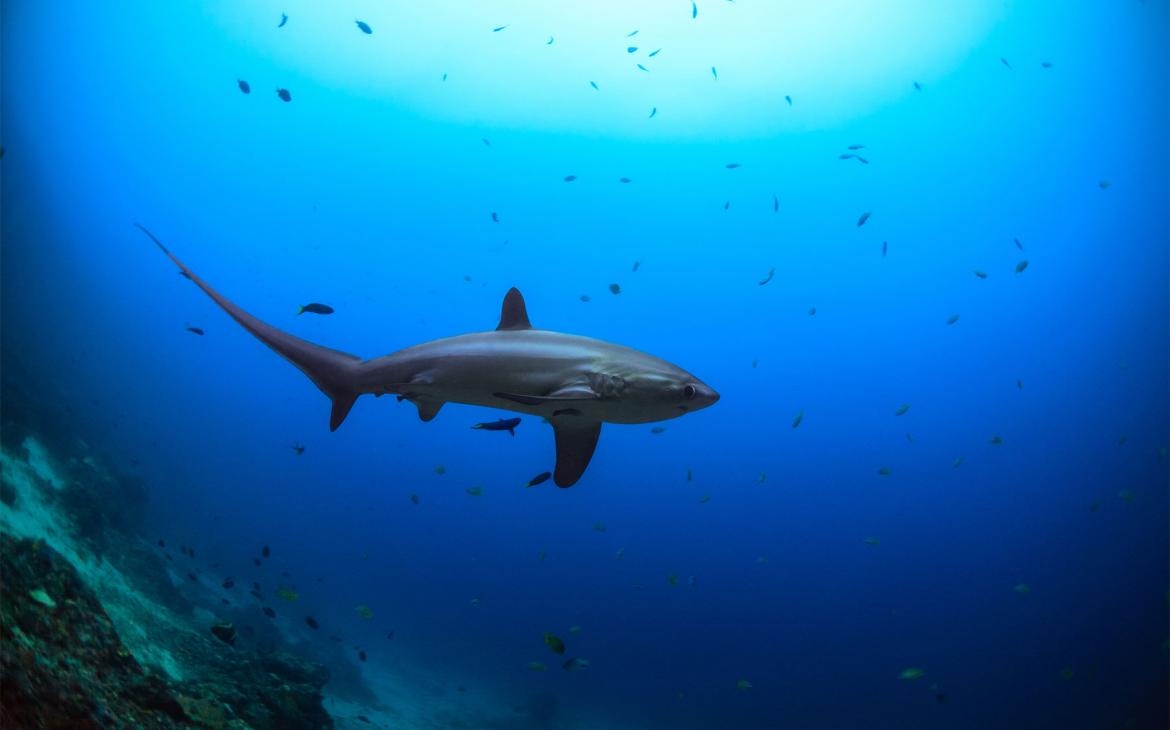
x: 575, y: 445
x: 561, y: 395
x: 428, y: 409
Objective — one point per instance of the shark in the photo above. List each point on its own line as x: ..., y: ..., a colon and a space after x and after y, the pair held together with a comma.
x: 576, y: 383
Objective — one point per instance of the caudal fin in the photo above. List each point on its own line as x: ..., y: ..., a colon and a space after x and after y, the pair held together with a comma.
x: 334, y: 372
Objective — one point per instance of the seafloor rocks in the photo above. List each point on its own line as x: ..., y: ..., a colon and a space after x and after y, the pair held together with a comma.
x: 62, y: 664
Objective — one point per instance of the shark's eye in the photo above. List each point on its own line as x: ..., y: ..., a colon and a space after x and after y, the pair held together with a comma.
x: 689, y: 392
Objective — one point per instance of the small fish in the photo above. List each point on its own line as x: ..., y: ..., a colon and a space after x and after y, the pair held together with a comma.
x: 690, y: 475
x: 632, y: 49
x: 362, y: 655
x: 995, y: 440
x: 694, y: 10
x: 440, y: 470
x: 585, y: 298
x: 298, y: 448
x: 619, y: 554
x: 1122, y: 439
x: 653, y: 112
x: 864, y: 217
x: 980, y: 274
x: 657, y: 430
x: 474, y: 491
x: 574, y: 629
x: 912, y: 673
x: 789, y: 100
x: 901, y: 411
x: 732, y: 165
x: 631, y: 34
x: 1018, y: 244
x: 390, y: 635
x: 244, y: 86
x: 599, y: 527
x: 1021, y: 266
x: 705, y: 499
x: 653, y: 53
x: 195, y: 330
x: 856, y: 147
x: 554, y: 643
x: 595, y: 86
x: 284, y: 95
x: 364, y: 611
x: 952, y: 319
x: 315, y: 308
x: 884, y: 471
x: 885, y: 248
x: 766, y: 279
x: 871, y: 541
x: 444, y: 77
x: 536, y: 666
x: 540, y: 478
x: 497, y: 29
x: 909, y: 437
x: 265, y: 552
x: 862, y: 160
x: 743, y: 685
x: 917, y: 86
x: 287, y: 593
x: 414, y: 499
x: 283, y: 20
x: 486, y: 142
x: 846, y: 156
x: 624, y: 179
x: 714, y: 73
x: 311, y: 623
x: 755, y: 364
x: 550, y: 41
x: 615, y: 289
x: 957, y: 463
x: 1046, y: 64
x: 1022, y: 588
x: 1005, y: 63
x: 570, y: 178
x: 269, y: 612
x: 812, y: 311
x: 225, y: 632
x: 542, y: 556
x: 727, y: 205
x: 363, y: 27
x: 574, y: 664
x: 636, y: 265
x: 495, y: 217
x: 643, y: 68
x: 672, y: 579
x: 1127, y: 495
x: 775, y: 203
x: 760, y: 479
x: 796, y: 421
x: 1019, y: 385
x: 228, y: 583
x: 503, y: 424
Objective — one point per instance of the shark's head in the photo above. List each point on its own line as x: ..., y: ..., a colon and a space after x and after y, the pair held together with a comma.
x: 655, y: 390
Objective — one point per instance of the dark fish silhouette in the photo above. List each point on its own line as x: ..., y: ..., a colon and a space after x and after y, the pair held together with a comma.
x: 311, y: 622
x: 195, y: 330
x: 771, y: 273
x: 299, y: 449
x: 269, y: 612
x: 503, y: 424
x: 265, y: 551
x: 885, y: 247
x: 284, y: 95
x: 363, y: 27
x: 864, y: 217
x: 283, y: 20
x: 244, y: 86
x: 315, y: 308
x: 540, y: 478
x: 495, y: 218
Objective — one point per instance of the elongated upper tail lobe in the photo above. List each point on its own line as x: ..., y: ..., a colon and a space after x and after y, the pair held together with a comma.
x: 335, y: 373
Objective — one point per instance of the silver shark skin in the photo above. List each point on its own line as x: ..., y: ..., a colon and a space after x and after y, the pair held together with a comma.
x: 575, y: 382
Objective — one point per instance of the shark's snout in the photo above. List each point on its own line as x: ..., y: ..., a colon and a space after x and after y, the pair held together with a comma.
x: 700, y: 395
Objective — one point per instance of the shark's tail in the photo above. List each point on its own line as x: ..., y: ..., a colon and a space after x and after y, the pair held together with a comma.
x: 334, y: 372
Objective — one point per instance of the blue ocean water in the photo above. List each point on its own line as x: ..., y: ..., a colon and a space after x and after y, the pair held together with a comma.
x: 1007, y: 534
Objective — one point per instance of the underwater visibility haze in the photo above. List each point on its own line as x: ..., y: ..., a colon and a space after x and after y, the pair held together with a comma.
x: 868, y: 302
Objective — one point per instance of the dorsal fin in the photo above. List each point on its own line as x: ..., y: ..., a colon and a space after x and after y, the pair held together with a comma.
x: 514, y: 315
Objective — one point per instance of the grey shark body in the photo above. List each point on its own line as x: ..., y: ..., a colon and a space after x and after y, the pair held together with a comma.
x: 576, y: 383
